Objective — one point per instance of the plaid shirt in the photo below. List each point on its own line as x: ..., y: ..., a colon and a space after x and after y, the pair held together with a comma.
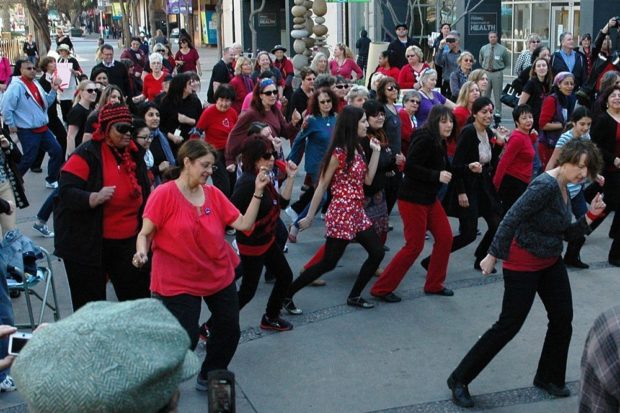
x: 600, y: 365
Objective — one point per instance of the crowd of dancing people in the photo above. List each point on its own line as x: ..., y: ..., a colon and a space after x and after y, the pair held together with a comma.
x: 147, y: 181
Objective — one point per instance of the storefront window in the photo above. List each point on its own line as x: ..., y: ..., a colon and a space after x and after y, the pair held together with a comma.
x: 521, y: 21
x: 540, y: 21
x: 507, y: 22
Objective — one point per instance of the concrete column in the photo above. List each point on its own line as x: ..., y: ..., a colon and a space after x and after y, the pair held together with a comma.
x: 595, y: 14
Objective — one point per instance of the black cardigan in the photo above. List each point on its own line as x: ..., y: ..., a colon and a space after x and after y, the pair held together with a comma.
x: 79, y: 227
x: 603, y: 133
x: 426, y: 158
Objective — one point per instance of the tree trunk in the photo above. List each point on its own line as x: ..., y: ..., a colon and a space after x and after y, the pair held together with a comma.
x: 125, y: 41
x: 134, y: 17
x: 151, y: 12
x: 220, y: 36
x: 38, y: 13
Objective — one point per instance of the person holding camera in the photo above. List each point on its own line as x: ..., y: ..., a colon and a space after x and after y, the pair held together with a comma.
x: 447, y: 59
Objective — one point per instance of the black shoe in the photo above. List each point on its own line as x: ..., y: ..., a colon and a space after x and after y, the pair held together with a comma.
x: 425, y: 263
x: 552, y: 389
x: 36, y: 170
x: 276, y: 324
x: 444, y: 291
x: 477, y: 266
x: 290, y: 307
x: 575, y: 262
x: 359, y: 302
x: 615, y: 262
x: 460, y: 393
x: 388, y: 298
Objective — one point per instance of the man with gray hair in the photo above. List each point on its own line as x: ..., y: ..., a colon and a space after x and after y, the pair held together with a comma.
x: 494, y: 58
x: 222, y: 73
x: 447, y: 59
x: 568, y: 60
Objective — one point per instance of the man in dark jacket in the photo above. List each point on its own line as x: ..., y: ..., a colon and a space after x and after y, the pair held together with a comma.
x: 568, y: 60
x: 116, y: 71
x: 399, y: 45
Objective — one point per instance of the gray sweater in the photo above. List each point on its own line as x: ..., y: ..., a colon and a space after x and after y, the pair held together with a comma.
x: 539, y: 221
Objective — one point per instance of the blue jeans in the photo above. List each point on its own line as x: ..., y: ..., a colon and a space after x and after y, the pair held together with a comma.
x: 31, y: 142
x: 303, y: 213
x: 6, y: 314
x: 48, y: 207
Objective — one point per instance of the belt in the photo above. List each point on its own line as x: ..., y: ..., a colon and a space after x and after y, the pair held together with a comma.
x: 494, y: 70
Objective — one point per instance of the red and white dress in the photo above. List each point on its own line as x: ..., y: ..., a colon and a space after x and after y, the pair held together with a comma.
x: 345, y: 215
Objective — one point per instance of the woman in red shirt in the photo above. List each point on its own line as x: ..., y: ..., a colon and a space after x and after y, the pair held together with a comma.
x: 343, y: 64
x: 153, y: 81
x: 408, y: 122
x: 384, y: 67
x: 217, y: 121
x: 410, y: 73
x: 187, y: 58
x: 242, y: 82
x: 186, y: 212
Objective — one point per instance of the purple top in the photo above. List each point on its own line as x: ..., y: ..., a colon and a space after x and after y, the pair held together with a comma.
x: 427, y: 104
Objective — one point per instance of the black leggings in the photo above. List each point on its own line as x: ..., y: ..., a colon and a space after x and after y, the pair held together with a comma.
x: 276, y: 263
x: 334, y: 248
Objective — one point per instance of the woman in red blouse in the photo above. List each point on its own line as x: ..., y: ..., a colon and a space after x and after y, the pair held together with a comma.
x: 384, y: 66
x: 408, y: 121
x: 343, y: 64
x: 103, y: 188
x: 242, y: 82
x: 187, y: 58
x: 410, y: 73
x: 153, y: 81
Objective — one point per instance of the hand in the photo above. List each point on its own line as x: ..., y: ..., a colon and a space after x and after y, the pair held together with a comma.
x: 475, y: 167
x: 488, y: 264
x: 4, y: 142
x: 597, y: 206
x: 231, y: 168
x: 105, y: 194
x: 178, y: 139
x: 276, y: 142
x: 2, y: 87
x: 283, y: 100
x: 617, y: 162
x: 291, y: 169
x: 139, y: 98
x: 163, y: 166
x: 600, y: 179
x: 445, y: 177
x: 463, y: 201
x: 56, y: 82
x: 375, y: 145
x: 262, y: 179
x: 534, y: 132
x: 400, y: 159
x: 11, y: 207
x: 6, y: 331
x: 304, y: 223
x: 295, y: 117
x: 139, y: 259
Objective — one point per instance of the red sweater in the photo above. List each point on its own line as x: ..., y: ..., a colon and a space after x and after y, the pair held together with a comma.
x: 346, y: 69
x: 152, y: 87
x: 406, y: 129
x: 408, y: 77
x: 217, y: 125
x: 548, y: 111
x: 517, y: 159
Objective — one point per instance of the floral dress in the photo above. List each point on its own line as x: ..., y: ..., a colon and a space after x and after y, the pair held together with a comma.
x: 345, y: 215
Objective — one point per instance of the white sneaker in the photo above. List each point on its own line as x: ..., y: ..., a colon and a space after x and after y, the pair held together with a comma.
x: 7, y: 384
x: 291, y: 214
x: 51, y: 185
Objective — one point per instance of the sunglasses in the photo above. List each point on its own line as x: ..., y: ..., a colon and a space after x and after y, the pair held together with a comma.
x: 410, y: 55
x: 468, y: 60
x: 160, y: 51
x: 267, y: 155
x: 378, y: 115
x: 414, y: 101
x: 342, y: 86
x: 534, y: 41
x: 89, y: 90
x: 124, y: 128
x: 147, y: 138
x: 391, y: 88
x: 322, y: 102
x: 270, y: 92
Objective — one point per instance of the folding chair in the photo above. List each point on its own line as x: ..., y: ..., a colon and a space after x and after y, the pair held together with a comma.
x: 45, y: 274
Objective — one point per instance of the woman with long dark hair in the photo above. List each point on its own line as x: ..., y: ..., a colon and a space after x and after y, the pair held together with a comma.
x: 345, y: 172
x: 426, y: 170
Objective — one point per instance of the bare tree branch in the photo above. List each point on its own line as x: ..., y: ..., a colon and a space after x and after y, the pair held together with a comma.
x: 251, y: 24
x: 468, y: 10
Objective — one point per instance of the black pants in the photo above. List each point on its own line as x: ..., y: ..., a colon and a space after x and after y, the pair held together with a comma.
x: 334, y: 248
x: 220, y: 177
x: 304, y: 199
x: 281, y: 239
x: 224, y: 331
x: 273, y: 259
x: 468, y: 223
x: 509, y: 191
x: 392, y: 183
x: 552, y: 286
x: 88, y: 282
x: 65, y: 108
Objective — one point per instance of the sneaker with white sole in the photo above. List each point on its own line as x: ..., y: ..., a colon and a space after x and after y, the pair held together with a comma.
x: 201, y: 384
x: 276, y: 324
x: 43, y: 230
x: 7, y: 384
x: 291, y: 214
x: 51, y: 185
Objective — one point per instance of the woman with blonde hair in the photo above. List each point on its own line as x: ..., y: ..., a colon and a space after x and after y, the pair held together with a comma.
x: 480, y: 77
x: 410, y: 73
x: 320, y: 64
x: 242, y: 82
x: 462, y: 111
x: 343, y: 64
x: 459, y: 76
x: 76, y: 119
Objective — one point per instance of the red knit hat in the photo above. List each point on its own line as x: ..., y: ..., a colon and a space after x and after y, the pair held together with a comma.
x: 109, y: 115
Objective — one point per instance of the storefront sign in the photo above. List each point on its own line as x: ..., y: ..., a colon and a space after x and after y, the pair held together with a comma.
x: 482, y: 23
x: 267, y: 20
x: 178, y: 7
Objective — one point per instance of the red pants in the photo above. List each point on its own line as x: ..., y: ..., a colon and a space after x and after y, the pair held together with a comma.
x: 544, y: 153
x: 416, y: 219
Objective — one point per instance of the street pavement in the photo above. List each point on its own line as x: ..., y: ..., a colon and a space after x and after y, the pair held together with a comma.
x: 394, y: 358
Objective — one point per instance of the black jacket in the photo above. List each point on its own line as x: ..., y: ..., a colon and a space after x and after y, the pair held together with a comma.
x: 604, y: 135
x: 117, y: 75
x: 387, y: 160
x: 12, y: 156
x: 397, y: 50
x: 79, y: 227
x: 426, y: 158
x: 579, y: 70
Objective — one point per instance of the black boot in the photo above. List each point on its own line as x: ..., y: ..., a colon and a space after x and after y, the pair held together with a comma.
x: 572, y: 258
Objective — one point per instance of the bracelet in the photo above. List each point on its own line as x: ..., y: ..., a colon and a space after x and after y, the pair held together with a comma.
x: 258, y: 196
x: 592, y: 216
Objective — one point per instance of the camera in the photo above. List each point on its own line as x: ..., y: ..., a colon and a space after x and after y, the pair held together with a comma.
x: 221, y: 393
x: 450, y: 40
x: 497, y: 120
x: 17, y: 341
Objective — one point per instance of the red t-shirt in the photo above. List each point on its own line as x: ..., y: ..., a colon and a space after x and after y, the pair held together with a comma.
x: 190, y: 253
x: 217, y: 125
x: 120, y: 213
x: 153, y: 87
x: 190, y: 60
x: 520, y: 259
x: 517, y: 158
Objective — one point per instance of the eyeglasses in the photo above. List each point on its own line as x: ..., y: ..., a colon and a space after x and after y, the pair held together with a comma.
x: 416, y: 101
x: 124, y: 128
x: 89, y: 90
x: 322, y: 102
x: 147, y: 138
x: 534, y: 41
x: 410, y: 55
x: 391, y: 88
x: 345, y: 86
x: 269, y: 92
x: 160, y: 51
x: 468, y: 60
x: 267, y: 155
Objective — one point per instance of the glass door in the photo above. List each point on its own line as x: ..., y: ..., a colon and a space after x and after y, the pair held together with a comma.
x: 564, y: 19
